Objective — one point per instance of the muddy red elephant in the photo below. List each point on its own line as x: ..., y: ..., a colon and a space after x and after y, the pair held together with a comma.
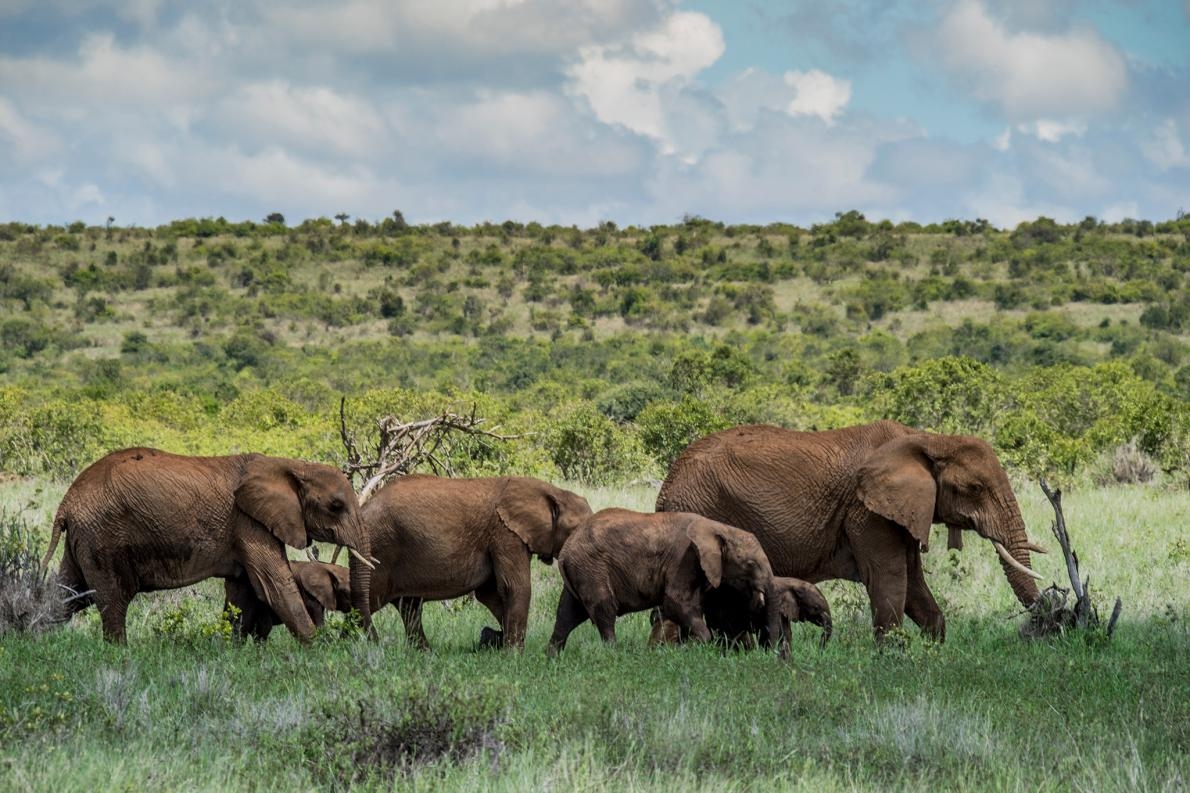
x: 857, y: 504
x: 437, y: 538
x: 140, y: 520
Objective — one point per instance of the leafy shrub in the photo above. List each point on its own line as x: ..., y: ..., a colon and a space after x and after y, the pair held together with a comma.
x: 193, y: 621
x: 666, y: 427
x: 587, y: 446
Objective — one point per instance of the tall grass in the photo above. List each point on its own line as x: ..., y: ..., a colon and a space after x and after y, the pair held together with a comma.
x: 185, y: 709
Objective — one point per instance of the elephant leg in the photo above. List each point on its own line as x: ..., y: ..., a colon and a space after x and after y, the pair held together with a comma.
x: 71, y: 577
x: 275, y: 585
x: 489, y: 597
x: 514, y: 588
x: 571, y: 614
x: 920, y: 605
x: 112, y: 615
x: 410, y: 609
x: 687, y: 615
x: 251, y: 617
x: 880, y: 556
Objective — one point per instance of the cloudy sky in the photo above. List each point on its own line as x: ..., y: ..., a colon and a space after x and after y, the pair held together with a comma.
x: 638, y: 111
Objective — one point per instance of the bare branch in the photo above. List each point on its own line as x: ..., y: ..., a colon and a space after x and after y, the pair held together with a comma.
x: 401, y: 447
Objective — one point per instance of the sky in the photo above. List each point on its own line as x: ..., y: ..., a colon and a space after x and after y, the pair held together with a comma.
x: 635, y: 111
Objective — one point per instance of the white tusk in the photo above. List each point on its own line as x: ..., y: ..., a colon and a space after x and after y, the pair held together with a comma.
x: 361, y: 558
x: 1007, y: 557
x: 1034, y: 547
x: 761, y: 599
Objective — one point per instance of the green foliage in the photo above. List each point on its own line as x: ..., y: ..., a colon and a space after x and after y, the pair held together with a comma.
x: 667, y: 427
x: 952, y: 395
x: 587, y: 446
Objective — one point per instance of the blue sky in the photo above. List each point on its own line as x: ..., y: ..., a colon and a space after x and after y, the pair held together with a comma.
x: 638, y: 111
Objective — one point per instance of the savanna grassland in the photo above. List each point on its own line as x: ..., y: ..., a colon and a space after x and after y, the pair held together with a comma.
x: 605, y: 351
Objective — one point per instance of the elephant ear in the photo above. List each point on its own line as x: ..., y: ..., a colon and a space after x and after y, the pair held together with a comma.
x: 268, y: 493
x: 897, y: 482
x: 708, y: 544
x: 318, y: 583
x: 530, y: 512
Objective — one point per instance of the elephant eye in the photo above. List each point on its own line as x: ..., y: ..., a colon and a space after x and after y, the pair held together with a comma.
x: 336, y: 506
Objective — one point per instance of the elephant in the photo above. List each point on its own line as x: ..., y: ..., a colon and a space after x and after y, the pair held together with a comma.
x: 796, y: 601
x: 620, y: 561
x: 438, y: 538
x: 731, y: 620
x: 323, y: 587
x: 857, y: 504
x: 139, y: 520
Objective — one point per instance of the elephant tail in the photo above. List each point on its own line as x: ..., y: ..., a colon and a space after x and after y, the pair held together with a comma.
x: 55, y: 535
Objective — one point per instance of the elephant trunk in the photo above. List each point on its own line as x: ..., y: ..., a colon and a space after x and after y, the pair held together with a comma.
x: 1012, y: 545
x: 361, y: 579
x: 776, y: 626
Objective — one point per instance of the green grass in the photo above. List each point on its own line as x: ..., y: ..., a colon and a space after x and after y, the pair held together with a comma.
x: 984, y: 711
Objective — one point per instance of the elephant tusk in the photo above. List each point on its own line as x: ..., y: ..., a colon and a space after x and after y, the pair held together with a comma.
x: 1008, y: 560
x: 1034, y: 547
x: 361, y: 558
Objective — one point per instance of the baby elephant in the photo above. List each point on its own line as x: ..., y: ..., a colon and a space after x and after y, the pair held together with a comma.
x: 323, y: 587
x: 731, y: 621
x: 618, y: 562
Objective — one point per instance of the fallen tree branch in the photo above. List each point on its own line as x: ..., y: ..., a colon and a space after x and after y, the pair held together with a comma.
x: 1050, y: 614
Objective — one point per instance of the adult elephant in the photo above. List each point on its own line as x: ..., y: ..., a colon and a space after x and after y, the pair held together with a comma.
x: 140, y: 520
x: 856, y: 504
x: 437, y: 538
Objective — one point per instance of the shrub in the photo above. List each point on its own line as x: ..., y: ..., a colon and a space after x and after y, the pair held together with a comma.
x: 587, y: 446
x: 29, y: 602
x: 666, y: 427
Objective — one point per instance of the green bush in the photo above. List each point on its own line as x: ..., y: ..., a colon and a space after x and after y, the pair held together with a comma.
x: 667, y: 427
x: 587, y: 446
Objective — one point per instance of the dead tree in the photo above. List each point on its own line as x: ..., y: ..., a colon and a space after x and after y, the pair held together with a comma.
x: 401, y: 447
x: 1050, y: 614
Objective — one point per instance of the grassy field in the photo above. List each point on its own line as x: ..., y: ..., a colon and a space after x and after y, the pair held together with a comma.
x: 179, y: 709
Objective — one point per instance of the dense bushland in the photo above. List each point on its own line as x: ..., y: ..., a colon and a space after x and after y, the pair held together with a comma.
x: 606, y: 349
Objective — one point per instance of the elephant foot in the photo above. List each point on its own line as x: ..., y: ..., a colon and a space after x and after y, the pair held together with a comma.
x: 490, y: 638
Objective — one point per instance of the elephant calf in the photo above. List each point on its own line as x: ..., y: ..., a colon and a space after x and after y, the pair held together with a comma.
x: 731, y: 621
x: 619, y: 561
x: 323, y: 587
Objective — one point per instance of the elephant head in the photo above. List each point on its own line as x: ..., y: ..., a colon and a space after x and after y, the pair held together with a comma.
x: 922, y: 478
x: 324, y: 587
x: 733, y: 558
x: 800, y: 601
x: 300, y: 502
x: 542, y: 515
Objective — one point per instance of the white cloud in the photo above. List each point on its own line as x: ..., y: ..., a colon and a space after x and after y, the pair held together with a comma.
x: 1052, y: 131
x: 1003, y: 141
x: 529, y: 133
x: 104, y: 74
x: 623, y: 84
x: 23, y: 141
x: 1164, y: 148
x: 817, y: 94
x: 1121, y: 210
x: 308, y: 117
x: 1028, y: 75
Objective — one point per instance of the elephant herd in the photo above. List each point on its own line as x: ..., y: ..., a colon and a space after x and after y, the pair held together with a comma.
x: 747, y: 521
